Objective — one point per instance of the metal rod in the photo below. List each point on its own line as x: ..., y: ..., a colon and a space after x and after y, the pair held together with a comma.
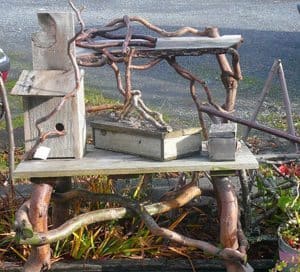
x: 286, y: 101
x: 263, y: 95
x: 276, y: 132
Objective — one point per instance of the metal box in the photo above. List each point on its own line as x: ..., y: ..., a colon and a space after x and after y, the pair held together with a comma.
x: 222, y: 142
x: 116, y: 136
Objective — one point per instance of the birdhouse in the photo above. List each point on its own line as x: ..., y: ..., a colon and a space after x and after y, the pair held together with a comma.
x: 43, y: 89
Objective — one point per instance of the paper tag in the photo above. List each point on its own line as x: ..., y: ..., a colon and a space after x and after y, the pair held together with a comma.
x: 42, y: 153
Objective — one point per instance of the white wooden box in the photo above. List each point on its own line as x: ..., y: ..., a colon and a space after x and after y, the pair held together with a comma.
x: 155, y: 145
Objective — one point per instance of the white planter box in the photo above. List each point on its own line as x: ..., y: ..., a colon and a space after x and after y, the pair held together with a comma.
x: 156, y: 145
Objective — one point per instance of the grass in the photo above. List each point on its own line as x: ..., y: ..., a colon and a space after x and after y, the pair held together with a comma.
x: 3, y: 161
x: 278, y: 120
x: 95, y: 97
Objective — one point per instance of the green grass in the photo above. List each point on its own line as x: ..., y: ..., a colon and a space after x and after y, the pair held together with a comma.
x: 18, y: 121
x: 3, y: 162
x: 94, y: 97
x: 279, y: 121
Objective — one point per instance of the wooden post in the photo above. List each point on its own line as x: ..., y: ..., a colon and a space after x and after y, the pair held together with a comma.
x: 245, y: 199
x: 39, y: 259
x: 60, y: 211
x: 228, y: 216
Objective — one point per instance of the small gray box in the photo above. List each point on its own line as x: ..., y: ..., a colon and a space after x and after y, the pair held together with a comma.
x: 222, y: 142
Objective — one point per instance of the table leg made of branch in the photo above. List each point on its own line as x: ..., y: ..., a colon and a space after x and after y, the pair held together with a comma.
x: 49, y: 176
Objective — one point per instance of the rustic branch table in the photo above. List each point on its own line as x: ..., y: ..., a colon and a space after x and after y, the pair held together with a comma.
x: 58, y: 172
x: 50, y: 52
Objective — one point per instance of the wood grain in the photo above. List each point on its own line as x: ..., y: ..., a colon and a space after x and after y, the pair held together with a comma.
x: 98, y: 161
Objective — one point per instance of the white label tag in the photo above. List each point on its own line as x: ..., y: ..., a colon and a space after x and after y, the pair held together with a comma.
x: 42, y: 153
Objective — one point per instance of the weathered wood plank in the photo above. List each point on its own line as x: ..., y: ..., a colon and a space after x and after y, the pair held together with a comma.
x: 98, y: 161
x: 50, y: 44
x: 225, y: 41
x: 44, y: 83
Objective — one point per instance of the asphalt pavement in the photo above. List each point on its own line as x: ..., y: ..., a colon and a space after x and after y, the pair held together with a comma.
x: 270, y: 29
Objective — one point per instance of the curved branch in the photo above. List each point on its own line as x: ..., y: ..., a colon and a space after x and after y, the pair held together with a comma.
x: 92, y: 61
x: 104, y: 107
x: 128, y: 61
x: 22, y: 225
x: 147, y: 65
x: 116, y: 69
x: 135, y: 101
x: 144, y: 213
x: 10, y: 132
x: 180, y: 32
x: 188, y: 75
x: 101, y: 215
x: 200, y: 115
x: 128, y: 34
x: 134, y: 36
x: 237, y: 73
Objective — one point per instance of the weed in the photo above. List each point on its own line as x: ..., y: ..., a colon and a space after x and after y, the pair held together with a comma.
x: 95, y: 97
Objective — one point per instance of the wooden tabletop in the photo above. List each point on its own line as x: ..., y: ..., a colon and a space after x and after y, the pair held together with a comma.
x: 101, y: 162
x: 176, y: 46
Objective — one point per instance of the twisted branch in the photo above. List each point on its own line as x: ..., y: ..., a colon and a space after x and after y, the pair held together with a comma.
x: 180, y: 32
x: 153, y: 117
x: 142, y: 211
x: 200, y: 115
x: 92, y: 217
x: 188, y: 75
x: 229, y: 76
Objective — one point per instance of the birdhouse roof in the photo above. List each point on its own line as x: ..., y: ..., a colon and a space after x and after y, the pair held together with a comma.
x: 44, y: 83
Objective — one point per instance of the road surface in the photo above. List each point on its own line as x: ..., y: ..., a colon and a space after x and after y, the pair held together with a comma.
x: 270, y: 29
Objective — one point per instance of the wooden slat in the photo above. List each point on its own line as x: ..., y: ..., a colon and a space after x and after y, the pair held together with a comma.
x: 98, y: 161
x: 225, y: 42
x: 45, y: 83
